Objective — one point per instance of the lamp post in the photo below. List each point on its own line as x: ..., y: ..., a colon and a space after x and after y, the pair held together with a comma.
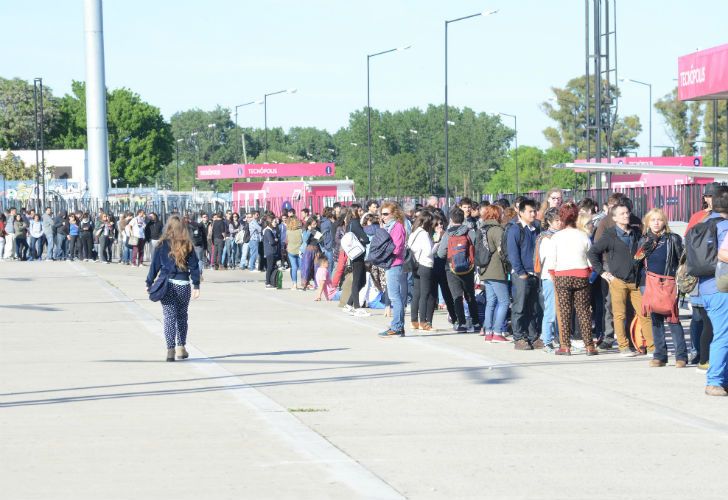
x: 193, y: 136
x: 236, y: 115
x: 369, y: 112
x: 178, y: 141
x: 447, y: 123
x: 648, y: 85
x: 265, y: 114
x: 515, y: 127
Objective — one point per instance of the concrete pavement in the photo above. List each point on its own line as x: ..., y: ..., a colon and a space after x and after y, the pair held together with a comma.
x: 284, y: 397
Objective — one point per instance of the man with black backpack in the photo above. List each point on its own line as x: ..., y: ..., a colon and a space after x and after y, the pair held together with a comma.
x: 519, y: 243
x: 702, y: 244
x: 458, y: 246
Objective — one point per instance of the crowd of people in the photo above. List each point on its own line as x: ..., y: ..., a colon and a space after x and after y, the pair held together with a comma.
x: 559, y: 277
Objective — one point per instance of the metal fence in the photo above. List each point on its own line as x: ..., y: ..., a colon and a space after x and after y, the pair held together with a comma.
x: 678, y: 201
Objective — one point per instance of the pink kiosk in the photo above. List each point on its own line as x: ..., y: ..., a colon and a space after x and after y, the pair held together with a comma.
x: 275, y: 194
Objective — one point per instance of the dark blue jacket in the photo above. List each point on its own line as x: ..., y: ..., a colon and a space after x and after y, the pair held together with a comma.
x: 162, y: 260
x: 521, y: 245
x: 327, y: 231
x: 271, y: 243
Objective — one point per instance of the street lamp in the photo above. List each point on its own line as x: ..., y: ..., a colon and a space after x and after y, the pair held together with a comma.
x: 242, y: 137
x: 265, y: 113
x: 515, y: 127
x: 193, y: 136
x: 447, y: 123
x: 178, y: 141
x: 649, y: 85
x: 369, y: 111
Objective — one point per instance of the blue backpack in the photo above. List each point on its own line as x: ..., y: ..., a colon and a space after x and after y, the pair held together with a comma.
x: 381, y: 249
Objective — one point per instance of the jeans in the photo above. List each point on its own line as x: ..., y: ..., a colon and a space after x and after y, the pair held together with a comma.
x: 219, y: 247
x: 253, y: 247
x: 73, y: 249
x: 330, y: 256
x: 696, y: 328
x: 678, y: 338
x: 462, y: 288
x: 424, y: 296
x: 397, y: 292
x: 36, y: 247
x: 496, y: 306
x: 716, y: 304
x: 126, y: 254
x: 524, y: 313
x: 50, y: 245
x: 549, y: 328
x: 295, y: 262
x: 59, y: 248
x: 21, y: 248
x: 244, y: 249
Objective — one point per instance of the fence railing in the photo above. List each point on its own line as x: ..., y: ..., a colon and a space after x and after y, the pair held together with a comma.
x: 678, y: 201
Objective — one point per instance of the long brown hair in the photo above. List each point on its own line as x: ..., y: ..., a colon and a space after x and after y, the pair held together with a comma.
x: 180, y: 244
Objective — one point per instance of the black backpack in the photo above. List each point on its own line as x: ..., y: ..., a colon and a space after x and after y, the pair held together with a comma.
x: 483, y: 252
x: 701, y: 247
x: 504, y: 241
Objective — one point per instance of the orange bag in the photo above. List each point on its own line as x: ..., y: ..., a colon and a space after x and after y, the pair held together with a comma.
x: 660, y: 296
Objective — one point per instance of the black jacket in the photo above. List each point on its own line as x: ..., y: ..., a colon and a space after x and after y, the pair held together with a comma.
x: 219, y: 229
x: 674, y: 251
x: 153, y: 230
x: 271, y: 243
x: 620, y: 258
x: 199, y: 235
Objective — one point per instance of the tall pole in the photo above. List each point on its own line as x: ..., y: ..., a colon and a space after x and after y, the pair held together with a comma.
x: 37, y: 159
x: 265, y: 114
x: 369, y: 114
x: 97, y: 135
x: 178, y: 141
x: 369, y: 135
x: 236, y: 123
x: 42, y: 144
x: 715, y: 133
x: 447, y: 148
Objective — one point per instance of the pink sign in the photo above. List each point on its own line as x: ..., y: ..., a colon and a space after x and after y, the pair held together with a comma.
x: 243, y: 171
x: 703, y: 74
x: 656, y: 161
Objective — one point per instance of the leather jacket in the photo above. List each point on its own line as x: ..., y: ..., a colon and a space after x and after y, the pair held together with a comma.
x: 674, y: 251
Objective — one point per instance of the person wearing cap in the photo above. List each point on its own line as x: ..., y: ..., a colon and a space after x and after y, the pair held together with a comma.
x: 703, y: 214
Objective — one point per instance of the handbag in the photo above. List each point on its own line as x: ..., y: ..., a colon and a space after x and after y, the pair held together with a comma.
x: 132, y: 241
x: 159, y: 288
x: 660, y: 296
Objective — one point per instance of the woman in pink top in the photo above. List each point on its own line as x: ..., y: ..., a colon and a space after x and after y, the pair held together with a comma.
x: 393, y: 221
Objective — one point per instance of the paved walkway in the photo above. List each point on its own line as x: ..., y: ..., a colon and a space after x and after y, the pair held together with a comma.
x: 284, y: 397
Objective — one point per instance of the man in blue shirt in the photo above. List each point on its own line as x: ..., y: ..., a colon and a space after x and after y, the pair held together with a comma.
x: 716, y: 305
x: 521, y: 242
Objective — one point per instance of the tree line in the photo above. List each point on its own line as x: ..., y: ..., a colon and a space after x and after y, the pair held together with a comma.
x: 407, y: 146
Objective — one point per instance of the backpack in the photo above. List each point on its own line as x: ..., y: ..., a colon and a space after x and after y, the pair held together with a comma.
x: 351, y: 246
x: 245, y: 229
x: 701, y: 246
x: 460, y: 254
x: 381, y: 249
x: 537, y: 264
x: 504, y: 241
x: 483, y: 252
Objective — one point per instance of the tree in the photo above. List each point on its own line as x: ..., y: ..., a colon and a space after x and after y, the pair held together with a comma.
x: 683, y: 121
x: 17, y: 113
x: 13, y: 168
x: 720, y: 132
x: 567, y: 108
x: 535, y: 171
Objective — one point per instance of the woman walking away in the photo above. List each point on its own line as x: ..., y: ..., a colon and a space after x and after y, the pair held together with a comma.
x: 176, y: 257
x: 424, y: 292
x: 661, y: 249
x: 571, y: 271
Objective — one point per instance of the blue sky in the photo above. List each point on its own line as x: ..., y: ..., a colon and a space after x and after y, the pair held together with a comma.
x: 186, y: 54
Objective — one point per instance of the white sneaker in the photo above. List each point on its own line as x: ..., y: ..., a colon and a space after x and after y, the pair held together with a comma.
x: 347, y: 309
x: 361, y: 313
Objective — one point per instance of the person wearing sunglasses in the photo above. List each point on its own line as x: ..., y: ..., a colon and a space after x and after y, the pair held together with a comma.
x: 393, y: 220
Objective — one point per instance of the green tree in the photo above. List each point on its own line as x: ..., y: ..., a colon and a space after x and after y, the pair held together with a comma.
x: 567, y: 108
x: 720, y: 133
x: 535, y: 171
x: 683, y: 121
x: 17, y: 114
x: 13, y: 168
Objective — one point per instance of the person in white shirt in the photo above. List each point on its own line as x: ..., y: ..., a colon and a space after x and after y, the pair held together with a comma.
x: 571, y: 272
x: 424, y: 292
x: 546, y: 258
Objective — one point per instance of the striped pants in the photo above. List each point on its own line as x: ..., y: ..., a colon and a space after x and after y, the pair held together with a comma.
x: 175, y: 304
